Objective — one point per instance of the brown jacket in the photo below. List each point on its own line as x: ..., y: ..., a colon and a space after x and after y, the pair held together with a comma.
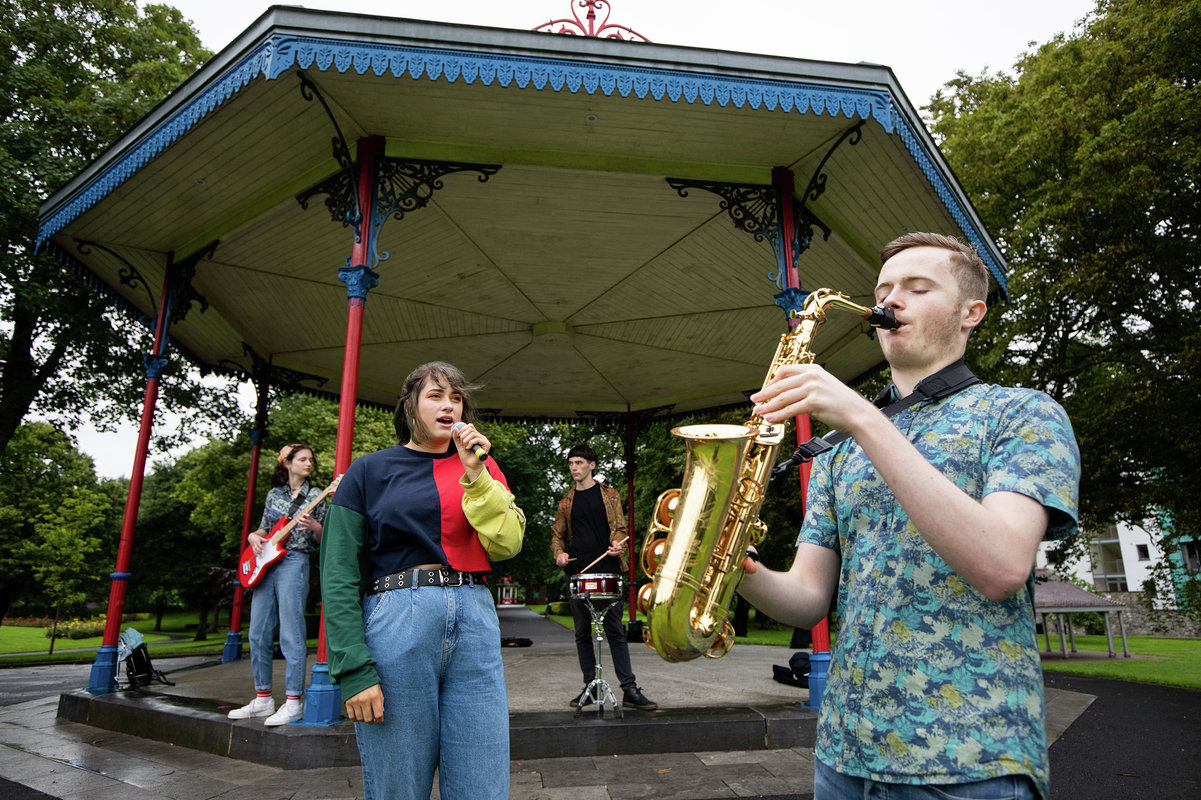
x: 560, y: 531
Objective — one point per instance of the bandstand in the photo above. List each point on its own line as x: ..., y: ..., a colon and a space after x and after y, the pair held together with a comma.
x: 586, y: 225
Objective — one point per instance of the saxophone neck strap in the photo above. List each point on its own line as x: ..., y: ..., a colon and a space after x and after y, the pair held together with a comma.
x: 944, y: 383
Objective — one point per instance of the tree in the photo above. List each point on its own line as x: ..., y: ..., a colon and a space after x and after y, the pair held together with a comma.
x: 74, y: 75
x: 41, y: 471
x: 65, y: 538
x: 1085, y: 168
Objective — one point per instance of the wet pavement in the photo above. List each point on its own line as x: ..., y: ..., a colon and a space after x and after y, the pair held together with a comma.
x: 725, y: 728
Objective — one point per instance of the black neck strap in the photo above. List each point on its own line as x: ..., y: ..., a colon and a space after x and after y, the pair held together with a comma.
x: 944, y: 383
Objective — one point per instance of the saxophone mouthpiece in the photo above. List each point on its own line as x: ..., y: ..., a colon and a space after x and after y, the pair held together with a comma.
x: 882, y: 317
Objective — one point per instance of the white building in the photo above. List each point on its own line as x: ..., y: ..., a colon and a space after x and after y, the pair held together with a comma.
x: 1120, y: 559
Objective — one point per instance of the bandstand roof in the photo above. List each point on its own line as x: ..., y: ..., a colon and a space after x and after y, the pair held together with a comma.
x: 575, y: 278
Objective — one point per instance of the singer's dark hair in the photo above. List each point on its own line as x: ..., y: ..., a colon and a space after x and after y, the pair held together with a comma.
x: 408, y: 424
x: 582, y: 451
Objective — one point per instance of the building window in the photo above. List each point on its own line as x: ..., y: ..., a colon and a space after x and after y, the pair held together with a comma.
x: 1115, y: 585
x: 1144, y: 552
x: 1190, y: 553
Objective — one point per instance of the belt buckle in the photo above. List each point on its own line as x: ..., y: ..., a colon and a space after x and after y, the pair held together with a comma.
x: 446, y: 576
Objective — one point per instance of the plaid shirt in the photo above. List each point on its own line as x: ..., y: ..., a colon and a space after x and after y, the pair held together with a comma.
x: 279, y: 502
x: 930, y: 681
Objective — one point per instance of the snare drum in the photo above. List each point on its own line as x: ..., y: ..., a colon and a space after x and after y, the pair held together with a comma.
x: 594, y: 586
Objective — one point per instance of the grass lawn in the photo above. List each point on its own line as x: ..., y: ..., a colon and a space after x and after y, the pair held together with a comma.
x: 1173, y: 662
x: 175, y: 639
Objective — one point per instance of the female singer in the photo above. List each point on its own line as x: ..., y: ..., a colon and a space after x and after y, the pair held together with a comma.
x: 411, y: 628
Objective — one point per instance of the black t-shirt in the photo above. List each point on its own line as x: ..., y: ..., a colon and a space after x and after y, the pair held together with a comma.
x: 590, y: 534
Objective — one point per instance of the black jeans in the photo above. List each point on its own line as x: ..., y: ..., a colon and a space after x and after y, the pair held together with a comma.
x: 615, y: 632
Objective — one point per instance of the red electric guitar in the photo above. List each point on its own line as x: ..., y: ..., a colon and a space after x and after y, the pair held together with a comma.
x: 252, y: 568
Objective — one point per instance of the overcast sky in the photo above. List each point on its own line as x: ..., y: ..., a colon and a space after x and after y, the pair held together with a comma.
x: 925, y: 42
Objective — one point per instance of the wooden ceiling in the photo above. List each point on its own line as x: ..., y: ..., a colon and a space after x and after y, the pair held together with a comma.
x: 575, y: 279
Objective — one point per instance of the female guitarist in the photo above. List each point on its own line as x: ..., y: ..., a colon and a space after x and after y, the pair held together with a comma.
x: 282, y: 591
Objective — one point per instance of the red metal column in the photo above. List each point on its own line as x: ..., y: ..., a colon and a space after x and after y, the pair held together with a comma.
x: 633, y: 578
x: 323, y: 705
x: 104, y: 671
x: 782, y: 179
x: 233, y: 639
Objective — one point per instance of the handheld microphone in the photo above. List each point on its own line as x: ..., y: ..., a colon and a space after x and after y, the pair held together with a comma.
x: 480, y: 452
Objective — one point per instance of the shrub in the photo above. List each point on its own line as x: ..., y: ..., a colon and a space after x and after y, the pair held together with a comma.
x: 559, y: 608
x: 77, y: 628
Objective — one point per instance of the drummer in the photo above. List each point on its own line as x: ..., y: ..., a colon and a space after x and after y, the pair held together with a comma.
x: 588, y: 526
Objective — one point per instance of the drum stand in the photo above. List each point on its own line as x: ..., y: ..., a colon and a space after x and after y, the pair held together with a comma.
x: 598, y: 690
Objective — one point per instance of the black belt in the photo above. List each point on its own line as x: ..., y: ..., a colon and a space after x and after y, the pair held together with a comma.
x: 416, y: 578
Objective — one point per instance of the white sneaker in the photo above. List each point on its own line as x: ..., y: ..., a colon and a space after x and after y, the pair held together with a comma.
x: 289, y: 711
x: 258, y: 707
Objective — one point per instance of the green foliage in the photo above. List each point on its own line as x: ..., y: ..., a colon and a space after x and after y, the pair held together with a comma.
x: 1084, y: 167
x: 74, y: 76
x: 49, y: 503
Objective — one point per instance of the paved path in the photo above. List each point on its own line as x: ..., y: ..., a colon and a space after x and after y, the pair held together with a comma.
x: 1134, y: 741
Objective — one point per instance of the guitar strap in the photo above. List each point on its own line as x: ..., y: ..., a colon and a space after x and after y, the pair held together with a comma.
x: 944, y: 383
x: 296, y: 504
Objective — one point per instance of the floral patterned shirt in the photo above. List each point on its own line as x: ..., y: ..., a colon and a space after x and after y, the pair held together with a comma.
x: 931, y: 682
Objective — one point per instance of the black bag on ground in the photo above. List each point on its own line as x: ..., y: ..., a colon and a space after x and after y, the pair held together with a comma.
x: 140, y: 671
x: 796, y: 673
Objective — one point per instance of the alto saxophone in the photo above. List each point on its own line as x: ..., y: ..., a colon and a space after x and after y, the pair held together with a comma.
x: 700, y: 532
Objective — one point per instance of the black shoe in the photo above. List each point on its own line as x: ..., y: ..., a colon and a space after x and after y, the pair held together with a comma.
x: 575, y: 701
x: 634, y: 698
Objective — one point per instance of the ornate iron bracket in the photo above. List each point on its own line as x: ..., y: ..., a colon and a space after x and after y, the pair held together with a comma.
x: 588, y: 27
x: 817, y: 184
x: 753, y: 208
x: 342, y: 188
x: 401, y: 186
x: 282, y: 377
x: 182, y: 293
x: 405, y: 185
x: 806, y: 219
x: 127, y: 275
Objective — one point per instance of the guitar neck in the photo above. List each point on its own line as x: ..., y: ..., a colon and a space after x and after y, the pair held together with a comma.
x: 285, y: 530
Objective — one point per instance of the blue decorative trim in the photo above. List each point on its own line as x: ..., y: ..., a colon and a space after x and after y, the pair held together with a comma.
x: 792, y: 300
x: 279, y: 53
x: 359, y: 280
x: 957, y: 211
x: 256, y: 439
x: 210, y: 99
x: 155, y: 364
x: 120, y: 576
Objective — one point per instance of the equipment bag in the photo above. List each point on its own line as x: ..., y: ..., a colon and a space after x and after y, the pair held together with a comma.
x: 140, y: 671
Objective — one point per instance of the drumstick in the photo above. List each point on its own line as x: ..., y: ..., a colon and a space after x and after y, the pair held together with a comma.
x: 602, y: 555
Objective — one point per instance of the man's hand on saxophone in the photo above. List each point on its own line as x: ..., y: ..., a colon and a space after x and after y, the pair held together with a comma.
x: 809, y: 389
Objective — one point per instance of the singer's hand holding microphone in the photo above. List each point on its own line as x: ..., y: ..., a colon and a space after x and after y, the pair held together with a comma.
x: 481, y: 452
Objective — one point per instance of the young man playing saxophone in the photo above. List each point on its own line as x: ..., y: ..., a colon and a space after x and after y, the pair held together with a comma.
x: 926, y: 525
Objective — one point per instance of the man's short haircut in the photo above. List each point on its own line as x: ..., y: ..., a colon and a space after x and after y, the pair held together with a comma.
x: 582, y: 451
x: 969, y: 268
x: 405, y: 420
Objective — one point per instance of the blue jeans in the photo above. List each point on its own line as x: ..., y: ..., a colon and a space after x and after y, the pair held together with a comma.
x: 615, y: 632
x: 280, y: 597
x: 437, y: 651
x: 831, y: 785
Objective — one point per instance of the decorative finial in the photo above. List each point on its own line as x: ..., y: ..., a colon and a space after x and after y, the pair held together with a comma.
x: 588, y: 27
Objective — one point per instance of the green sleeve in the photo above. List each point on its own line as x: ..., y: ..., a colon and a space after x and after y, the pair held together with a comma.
x: 343, y: 568
x: 491, y: 510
